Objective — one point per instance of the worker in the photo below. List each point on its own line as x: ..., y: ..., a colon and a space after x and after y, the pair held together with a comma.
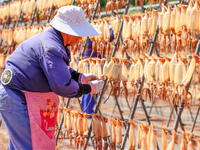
x: 41, y: 64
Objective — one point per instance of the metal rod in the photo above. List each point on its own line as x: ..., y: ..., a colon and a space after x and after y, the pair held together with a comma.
x: 1, y: 40
x: 119, y: 108
x: 86, y: 41
x: 195, y: 119
x: 178, y: 117
x: 147, y: 116
x: 170, y: 116
x: 114, y: 109
x: 165, y: 2
x: 94, y: 96
x: 154, y: 41
x: 120, y: 111
x: 145, y: 111
x: 139, y: 91
x: 73, y: 2
x: 133, y: 111
x: 52, y: 7
x: 179, y: 114
x: 32, y: 17
x: 7, y: 19
x: 120, y: 29
x: 142, y: 6
x: 19, y: 18
x: 84, y: 47
x: 197, y: 48
x: 96, y: 109
x: 191, y: 114
x: 152, y: 104
x: 157, y: 53
x: 79, y: 102
x: 180, y: 120
x: 62, y: 120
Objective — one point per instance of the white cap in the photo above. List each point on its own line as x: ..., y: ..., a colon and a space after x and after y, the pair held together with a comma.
x: 71, y: 20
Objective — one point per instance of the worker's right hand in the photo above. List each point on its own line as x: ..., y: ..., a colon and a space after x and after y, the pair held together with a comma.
x: 85, y: 78
x: 96, y: 86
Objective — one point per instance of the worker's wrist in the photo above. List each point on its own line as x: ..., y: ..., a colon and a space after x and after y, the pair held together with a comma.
x: 83, y: 89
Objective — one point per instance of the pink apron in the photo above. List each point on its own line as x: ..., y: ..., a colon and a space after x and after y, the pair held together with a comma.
x: 42, y: 110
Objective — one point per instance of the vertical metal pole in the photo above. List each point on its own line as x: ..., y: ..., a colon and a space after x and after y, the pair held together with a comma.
x: 62, y: 120
x: 119, y: 108
x: 181, y: 124
x: 51, y: 10
x: 154, y: 40
x: 138, y: 95
x: 133, y: 112
x: 94, y: 96
x: 195, y: 120
x: 32, y: 17
x: 120, y: 111
x: 178, y: 117
x: 182, y: 100
x: 147, y: 116
x: 145, y: 111
x: 142, y: 6
x: 113, y: 54
x: 170, y: 116
x: 7, y: 19
x: 86, y: 41
x: 157, y: 53
x: 96, y: 109
x: 120, y: 29
x: 73, y: 2
x: 197, y: 48
x: 191, y: 114
x: 153, y: 105
x: 79, y: 102
x: 197, y: 52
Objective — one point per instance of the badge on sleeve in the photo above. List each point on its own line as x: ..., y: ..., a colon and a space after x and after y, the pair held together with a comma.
x: 6, y: 76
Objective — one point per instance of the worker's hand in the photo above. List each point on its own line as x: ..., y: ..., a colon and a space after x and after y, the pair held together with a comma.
x: 86, y: 78
x: 96, y: 86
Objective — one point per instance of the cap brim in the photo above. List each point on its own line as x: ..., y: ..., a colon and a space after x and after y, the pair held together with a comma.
x: 84, y: 30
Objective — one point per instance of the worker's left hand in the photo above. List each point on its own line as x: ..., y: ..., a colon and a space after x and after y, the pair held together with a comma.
x: 85, y: 78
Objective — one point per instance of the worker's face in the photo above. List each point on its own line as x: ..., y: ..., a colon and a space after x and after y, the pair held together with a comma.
x: 70, y: 39
x: 74, y: 40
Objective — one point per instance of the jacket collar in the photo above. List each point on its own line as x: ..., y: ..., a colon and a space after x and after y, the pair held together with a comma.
x: 59, y: 35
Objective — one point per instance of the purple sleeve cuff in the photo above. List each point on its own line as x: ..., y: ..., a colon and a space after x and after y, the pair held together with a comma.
x: 76, y: 76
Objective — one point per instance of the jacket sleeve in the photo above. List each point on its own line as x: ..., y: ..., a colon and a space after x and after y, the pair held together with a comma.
x: 59, y: 75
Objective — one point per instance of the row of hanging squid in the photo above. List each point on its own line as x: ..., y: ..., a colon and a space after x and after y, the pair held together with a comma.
x: 139, y: 29
x: 18, y: 35
x: 178, y: 28
x: 140, y: 135
x: 111, y: 4
x: 43, y: 6
x: 21, y: 33
x: 166, y: 76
